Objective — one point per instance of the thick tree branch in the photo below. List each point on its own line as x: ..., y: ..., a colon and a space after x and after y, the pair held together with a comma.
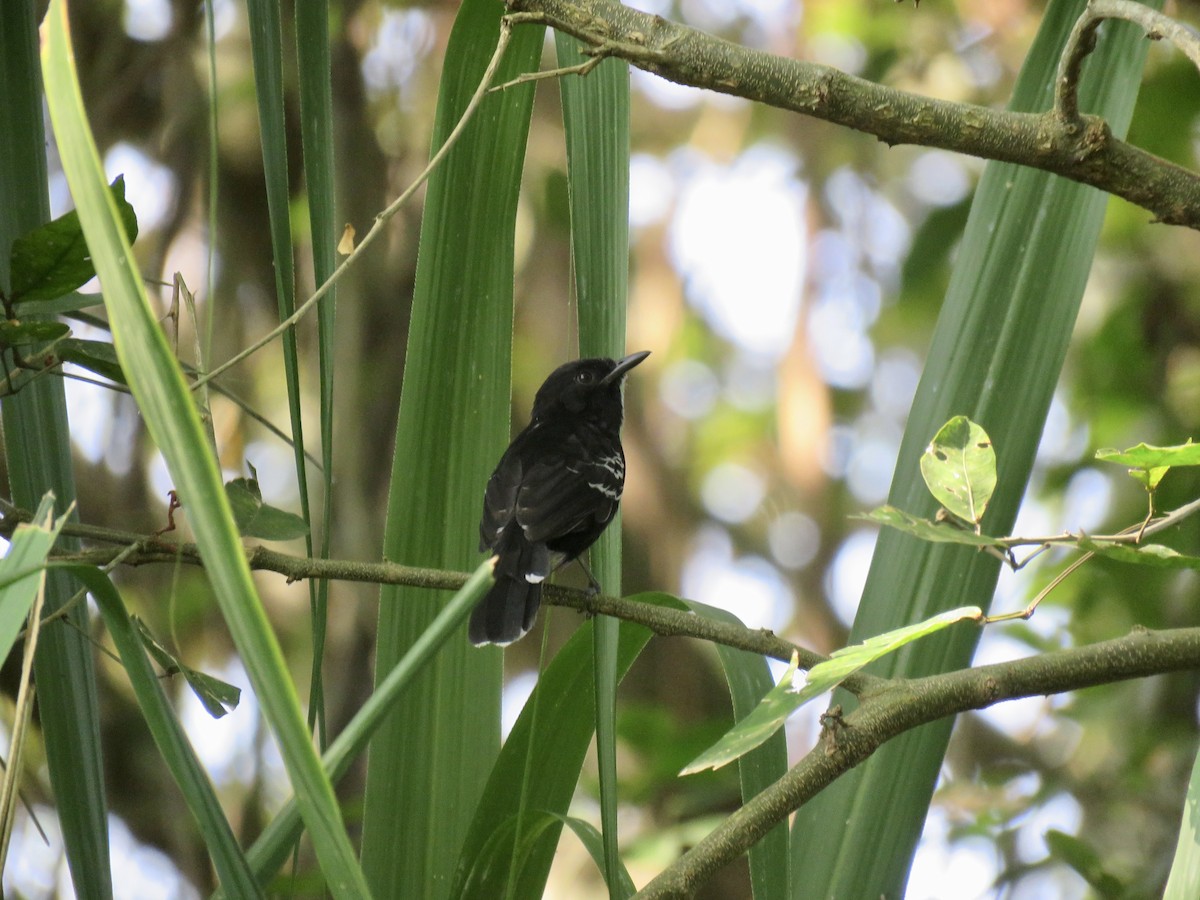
x: 904, y: 705
x: 1085, y: 151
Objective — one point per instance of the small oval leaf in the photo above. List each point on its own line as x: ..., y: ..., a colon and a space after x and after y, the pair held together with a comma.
x: 18, y: 334
x: 54, y: 259
x: 959, y: 467
x: 98, y: 357
x: 944, y: 532
x: 796, y: 689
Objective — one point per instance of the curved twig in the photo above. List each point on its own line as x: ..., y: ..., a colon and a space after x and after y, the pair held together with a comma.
x: 506, y: 26
x: 1082, y: 41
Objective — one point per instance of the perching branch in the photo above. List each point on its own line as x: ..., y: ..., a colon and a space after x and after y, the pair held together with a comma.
x: 133, y: 549
x: 1083, y: 150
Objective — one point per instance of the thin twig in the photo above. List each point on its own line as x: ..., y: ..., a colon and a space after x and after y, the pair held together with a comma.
x: 63, y: 611
x: 1131, y: 535
x: 506, y: 25
x: 238, y: 401
x: 1029, y: 610
x: 580, y: 69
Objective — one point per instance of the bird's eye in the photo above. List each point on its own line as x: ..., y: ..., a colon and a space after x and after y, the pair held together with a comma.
x: 585, y: 377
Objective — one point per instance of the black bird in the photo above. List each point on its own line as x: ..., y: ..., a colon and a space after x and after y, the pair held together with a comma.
x: 554, y: 491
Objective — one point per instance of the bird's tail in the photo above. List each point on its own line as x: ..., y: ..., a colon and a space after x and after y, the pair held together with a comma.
x: 507, y: 612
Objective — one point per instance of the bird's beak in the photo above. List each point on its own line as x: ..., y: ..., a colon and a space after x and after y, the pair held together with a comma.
x: 624, y: 366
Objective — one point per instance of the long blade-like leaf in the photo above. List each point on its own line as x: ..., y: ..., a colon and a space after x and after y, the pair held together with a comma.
x: 21, y: 571
x: 996, y: 356
x: 276, y: 841
x: 177, y: 752
x: 22, y: 589
x: 562, y: 698
x: 38, y: 450
x: 162, y: 395
x: 429, y: 762
x: 596, y: 122
x: 316, y: 133
x: 1184, y: 880
x: 749, y: 680
x: 266, y: 49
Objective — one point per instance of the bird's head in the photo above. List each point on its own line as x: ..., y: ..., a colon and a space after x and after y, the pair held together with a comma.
x: 586, y: 386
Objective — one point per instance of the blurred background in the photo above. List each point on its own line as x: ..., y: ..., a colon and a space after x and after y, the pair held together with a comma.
x: 786, y: 275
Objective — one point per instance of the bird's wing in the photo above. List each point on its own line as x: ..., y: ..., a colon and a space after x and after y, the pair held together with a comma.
x: 500, y: 499
x: 570, y: 489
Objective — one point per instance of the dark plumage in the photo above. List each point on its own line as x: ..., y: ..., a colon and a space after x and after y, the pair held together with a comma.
x: 554, y: 491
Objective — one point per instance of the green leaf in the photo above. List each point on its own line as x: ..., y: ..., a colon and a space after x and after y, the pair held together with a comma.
x: 1184, y: 881
x: 765, y: 720
x: 275, y: 524
x: 315, y: 89
x: 71, y: 302
x: 497, y: 854
x: 749, y: 680
x: 959, y: 467
x: 162, y: 395
x: 1146, y: 456
x: 244, y: 500
x: 1148, y: 464
x: 37, y: 448
x: 22, y: 568
x: 266, y: 51
x: 944, y: 532
x: 791, y: 693
x: 218, y: 697
x: 596, y: 127
x: 1084, y: 860
x: 54, y: 258
x: 551, y: 737
x: 260, y: 520
x: 597, y: 849
x: 1149, y: 478
x: 17, y: 334
x: 848, y: 660
x: 99, y: 357
x: 275, y: 844
x: 1156, y: 555
x: 452, y: 426
x: 536, y: 826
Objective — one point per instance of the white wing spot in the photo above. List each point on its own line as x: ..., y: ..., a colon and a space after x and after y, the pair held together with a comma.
x: 614, y: 465
x: 606, y: 490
